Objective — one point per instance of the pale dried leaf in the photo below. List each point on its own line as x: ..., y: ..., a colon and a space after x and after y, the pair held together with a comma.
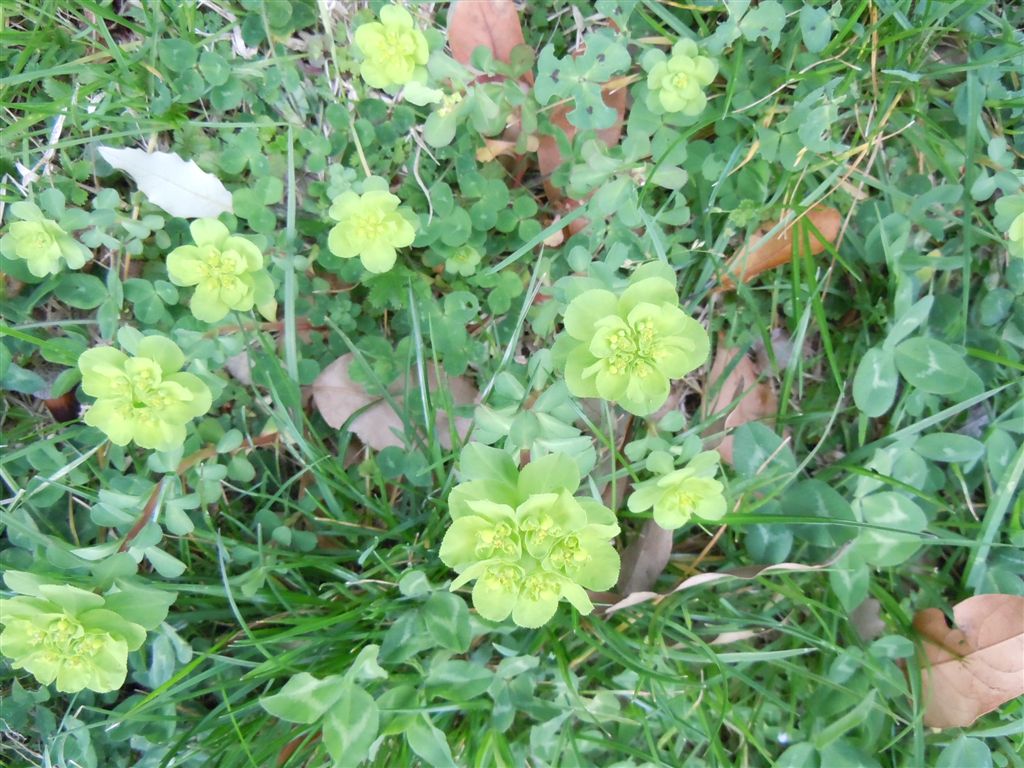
x: 761, y: 254
x: 494, y: 148
x: 974, y: 667
x: 745, y: 572
x: 644, y: 559
x: 338, y: 398
x: 866, y: 619
x: 493, y: 24
x: 181, y: 188
x: 754, y: 400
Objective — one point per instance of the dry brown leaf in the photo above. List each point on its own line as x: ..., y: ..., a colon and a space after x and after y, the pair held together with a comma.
x: 976, y: 666
x: 494, y: 148
x: 746, y: 572
x: 494, y: 24
x: 754, y: 400
x: 644, y: 559
x: 337, y: 397
x: 759, y: 255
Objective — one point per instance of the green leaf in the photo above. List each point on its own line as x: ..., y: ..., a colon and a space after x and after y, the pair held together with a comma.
x: 177, y: 54
x: 481, y: 462
x: 767, y: 20
x: 351, y: 725
x: 908, y: 322
x: 815, y: 27
x: 458, y: 680
x: 931, y: 366
x: 890, y: 510
x: 447, y: 620
x: 963, y: 752
x: 304, y: 699
x: 80, y: 291
x: 215, y: 68
x: 429, y: 742
x: 876, y: 381
x: 145, y: 607
x: 949, y: 447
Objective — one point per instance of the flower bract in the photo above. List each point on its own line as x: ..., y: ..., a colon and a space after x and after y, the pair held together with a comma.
x: 371, y: 226
x: 227, y: 271
x: 677, y: 83
x: 65, y: 635
x: 525, y: 538
x: 678, y: 495
x: 463, y: 260
x: 43, y: 245
x: 393, y: 50
x: 145, y: 398
x: 627, y: 348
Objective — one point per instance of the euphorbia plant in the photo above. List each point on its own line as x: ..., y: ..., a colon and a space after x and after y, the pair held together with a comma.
x: 371, y: 225
x: 40, y: 242
x: 677, y: 83
x: 145, y: 398
x: 525, y: 538
x: 679, y: 494
x: 393, y: 51
x: 627, y: 348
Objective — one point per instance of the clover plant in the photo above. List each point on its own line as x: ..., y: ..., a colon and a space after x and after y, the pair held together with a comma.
x: 394, y: 52
x: 525, y: 538
x: 679, y: 494
x: 145, y: 398
x: 627, y: 348
x: 227, y: 271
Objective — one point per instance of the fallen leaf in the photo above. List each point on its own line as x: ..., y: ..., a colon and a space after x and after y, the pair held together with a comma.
x: 754, y: 400
x: 746, y: 572
x: 761, y: 254
x: 494, y: 148
x: 181, y: 188
x: 974, y: 667
x: 644, y: 559
x: 866, y: 619
x: 493, y: 24
x: 338, y: 399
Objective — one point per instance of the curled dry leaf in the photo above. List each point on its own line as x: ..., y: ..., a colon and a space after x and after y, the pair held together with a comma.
x: 493, y: 24
x: 761, y: 254
x: 754, y: 400
x: 974, y: 667
x: 338, y: 398
x: 746, y: 572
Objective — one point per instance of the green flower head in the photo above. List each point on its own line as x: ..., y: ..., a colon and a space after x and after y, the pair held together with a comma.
x: 683, y: 493
x: 677, y: 84
x: 1010, y: 219
x: 525, y: 539
x: 42, y: 244
x: 393, y: 50
x: 463, y: 261
x: 227, y: 271
x: 67, y: 636
x: 371, y: 226
x: 626, y: 348
x: 145, y: 398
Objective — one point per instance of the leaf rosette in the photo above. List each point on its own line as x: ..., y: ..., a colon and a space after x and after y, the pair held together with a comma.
x: 626, y: 349
x: 146, y: 398
x: 227, y: 271
x: 393, y: 51
x: 681, y: 494
x: 372, y: 226
x: 677, y: 83
x: 525, y: 538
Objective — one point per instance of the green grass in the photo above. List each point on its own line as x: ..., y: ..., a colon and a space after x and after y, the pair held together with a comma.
x: 330, y: 547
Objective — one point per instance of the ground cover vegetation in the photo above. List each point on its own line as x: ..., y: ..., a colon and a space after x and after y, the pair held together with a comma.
x: 480, y: 384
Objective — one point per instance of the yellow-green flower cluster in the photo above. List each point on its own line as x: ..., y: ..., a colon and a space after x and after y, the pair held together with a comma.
x: 393, y: 51
x: 1010, y: 219
x: 227, y: 271
x: 41, y: 243
x: 371, y: 226
x: 72, y: 637
x: 145, y: 398
x: 463, y: 260
x: 677, y: 495
x: 627, y: 348
x: 677, y: 83
x: 525, y: 539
